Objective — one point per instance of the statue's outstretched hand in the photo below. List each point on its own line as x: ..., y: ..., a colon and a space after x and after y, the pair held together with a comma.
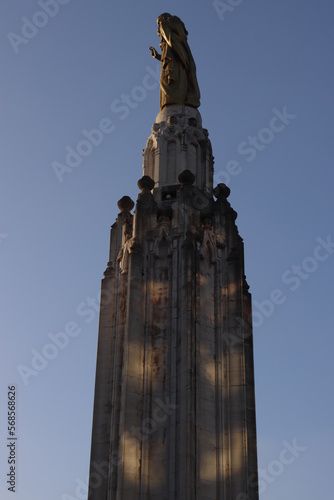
x: 154, y: 53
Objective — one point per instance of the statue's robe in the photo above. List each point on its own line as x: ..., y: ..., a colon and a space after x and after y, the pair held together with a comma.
x: 178, y: 82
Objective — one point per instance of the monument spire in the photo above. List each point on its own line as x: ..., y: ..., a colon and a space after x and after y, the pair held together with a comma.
x: 174, y: 408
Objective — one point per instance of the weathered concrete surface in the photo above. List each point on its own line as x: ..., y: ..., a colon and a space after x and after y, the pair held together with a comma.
x: 174, y: 411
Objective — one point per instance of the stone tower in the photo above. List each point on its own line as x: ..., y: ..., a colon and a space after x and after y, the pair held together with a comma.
x: 174, y: 410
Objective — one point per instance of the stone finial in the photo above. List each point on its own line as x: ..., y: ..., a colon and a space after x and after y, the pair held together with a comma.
x: 186, y: 177
x: 125, y: 204
x: 146, y: 184
x: 221, y: 191
x: 110, y: 271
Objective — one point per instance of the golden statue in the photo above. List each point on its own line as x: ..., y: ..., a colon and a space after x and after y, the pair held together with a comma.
x: 178, y: 82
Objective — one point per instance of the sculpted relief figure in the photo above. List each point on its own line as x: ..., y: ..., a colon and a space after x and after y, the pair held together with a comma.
x: 178, y: 82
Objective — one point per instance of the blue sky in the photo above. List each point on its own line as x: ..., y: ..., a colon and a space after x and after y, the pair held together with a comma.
x: 256, y: 60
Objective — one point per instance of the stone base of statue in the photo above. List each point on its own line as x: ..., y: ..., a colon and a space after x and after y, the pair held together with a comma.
x: 177, y: 143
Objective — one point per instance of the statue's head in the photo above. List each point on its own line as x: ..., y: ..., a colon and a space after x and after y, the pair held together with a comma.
x: 164, y: 17
x: 172, y: 20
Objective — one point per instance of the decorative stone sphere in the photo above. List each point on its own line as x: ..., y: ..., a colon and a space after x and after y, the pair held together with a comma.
x: 146, y: 183
x: 221, y: 191
x: 125, y: 204
x: 186, y: 177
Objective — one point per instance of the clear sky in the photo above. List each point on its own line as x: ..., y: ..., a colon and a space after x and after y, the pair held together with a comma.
x: 266, y: 77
